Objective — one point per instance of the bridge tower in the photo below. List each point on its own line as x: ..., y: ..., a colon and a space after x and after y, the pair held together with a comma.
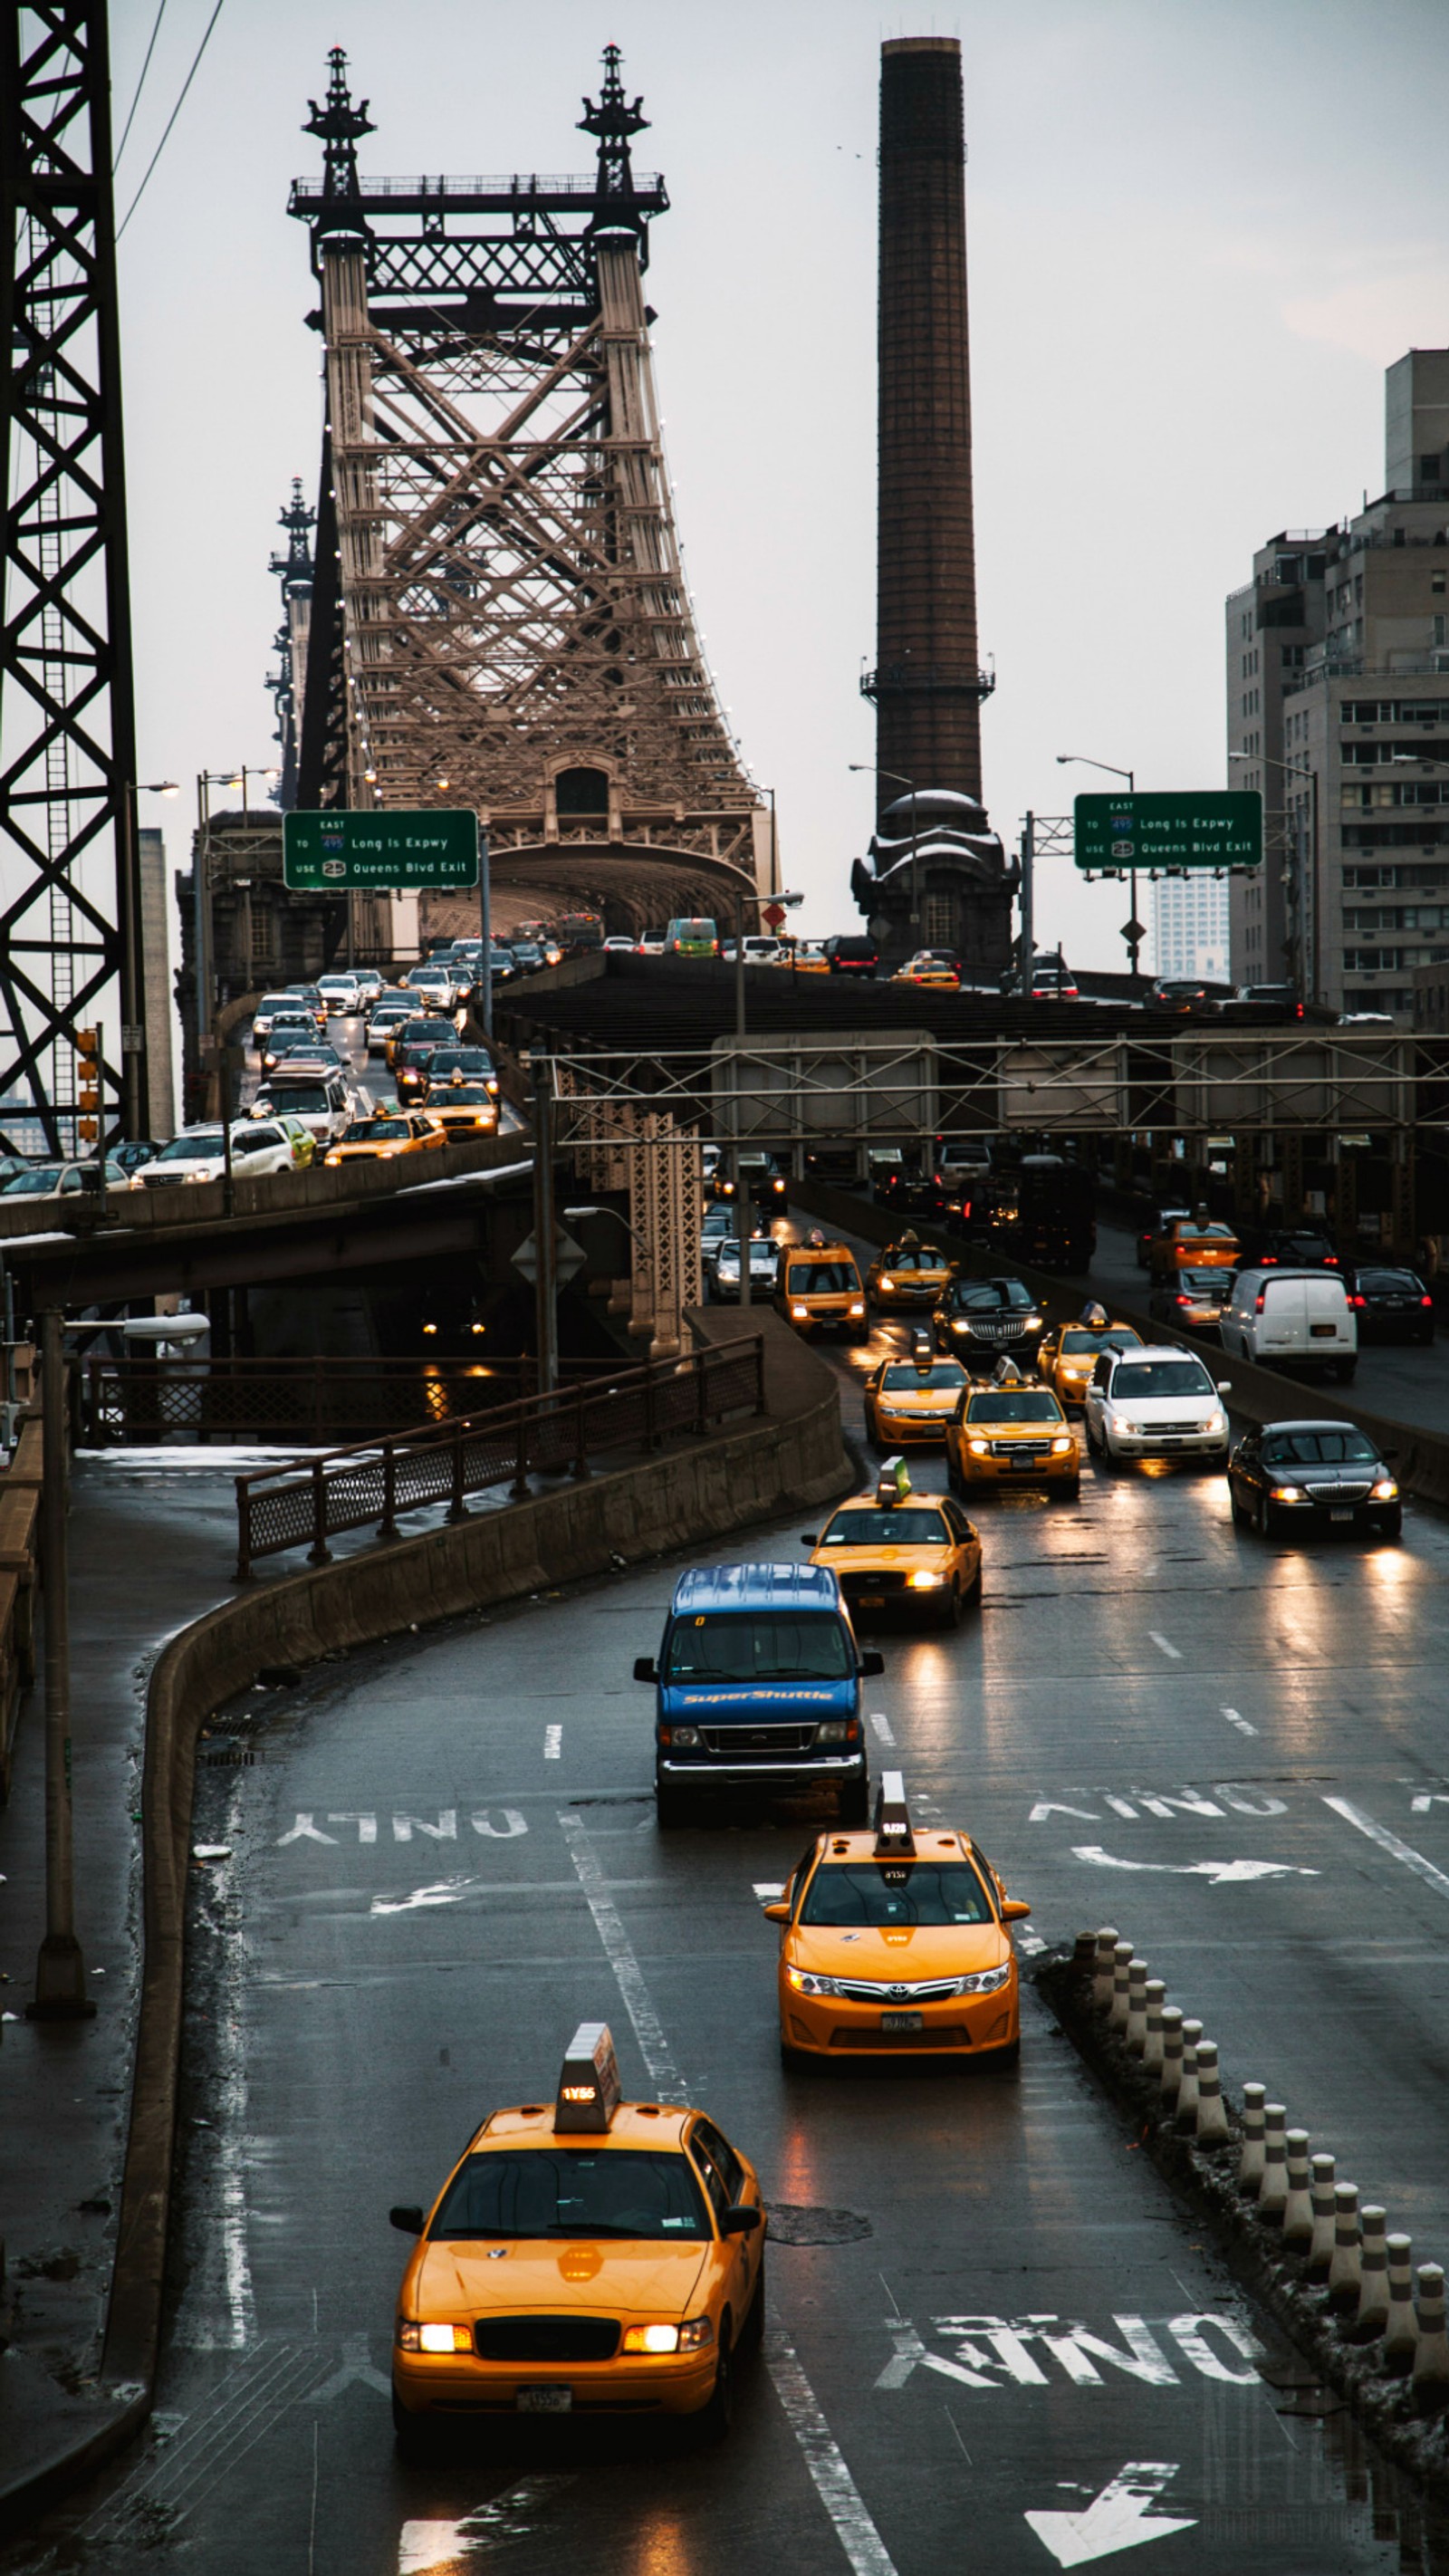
x: 499, y: 612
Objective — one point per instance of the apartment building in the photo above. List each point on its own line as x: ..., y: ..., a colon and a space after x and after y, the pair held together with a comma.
x: 1190, y: 925
x: 1338, y: 710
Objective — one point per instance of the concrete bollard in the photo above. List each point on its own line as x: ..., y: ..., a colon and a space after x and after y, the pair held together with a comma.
x: 1273, y: 2189
x: 1250, y: 2160
x: 1102, y: 1972
x: 1152, y: 2039
x: 1084, y: 1956
x: 1431, y: 2351
x: 1401, y: 2328
x: 1171, y: 2054
x: 1345, y: 2268
x: 1121, y: 1986
x: 1187, y: 2089
x: 1298, y: 2207
x: 1212, y: 2120
x: 1320, y: 2243
x: 1137, y: 2006
x: 1372, y: 2312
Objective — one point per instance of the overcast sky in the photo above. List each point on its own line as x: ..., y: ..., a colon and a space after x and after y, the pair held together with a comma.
x: 1199, y: 230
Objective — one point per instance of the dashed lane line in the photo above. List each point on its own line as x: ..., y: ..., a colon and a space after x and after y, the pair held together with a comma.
x: 882, y: 1727
x: 553, y: 1744
x: 1388, y: 1842
x: 1235, y: 1718
x: 1165, y: 1646
x: 664, y: 2075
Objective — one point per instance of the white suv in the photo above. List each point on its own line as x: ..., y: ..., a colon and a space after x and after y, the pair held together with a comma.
x: 1156, y: 1403
x: 258, y: 1146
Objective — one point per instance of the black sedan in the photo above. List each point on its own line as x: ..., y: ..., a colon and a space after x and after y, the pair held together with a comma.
x: 1391, y: 1306
x: 912, y: 1194
x: 1293, y: 1247
x: 980, y: 1321
x: 1313, y: 1476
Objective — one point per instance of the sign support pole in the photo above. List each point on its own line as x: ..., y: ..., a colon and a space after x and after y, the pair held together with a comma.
x: 544, y: 1222
x: 485, y: 923
x: 60, y: 1988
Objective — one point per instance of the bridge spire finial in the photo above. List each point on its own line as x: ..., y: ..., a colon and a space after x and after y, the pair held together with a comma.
x: 340, y: 126
x: 613, y: 120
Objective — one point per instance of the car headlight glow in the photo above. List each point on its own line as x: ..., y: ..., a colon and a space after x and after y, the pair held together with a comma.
x: 857, y: 1306
x: 413, y: 2337
x: 978, y: 1448
x: 659, y: 2338
x: 1385, y: 1491
x: 1287, y: 1494
x: 885, y: 1283
x: 805, y: 1983
x: 924, y: 1582
x: 801, y: 1314
x: 1062, y: 1443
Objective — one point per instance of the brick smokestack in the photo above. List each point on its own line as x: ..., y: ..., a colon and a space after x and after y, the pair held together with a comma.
x: 927, y: 687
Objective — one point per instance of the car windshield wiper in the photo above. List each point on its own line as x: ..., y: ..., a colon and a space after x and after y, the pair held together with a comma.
x: 593, y: 2227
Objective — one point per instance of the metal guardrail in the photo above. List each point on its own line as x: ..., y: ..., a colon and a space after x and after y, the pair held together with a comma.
x: 373, y: 1481
x: 128, y: 1401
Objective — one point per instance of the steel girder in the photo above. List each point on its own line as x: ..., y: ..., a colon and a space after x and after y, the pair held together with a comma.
x: 69, y: 880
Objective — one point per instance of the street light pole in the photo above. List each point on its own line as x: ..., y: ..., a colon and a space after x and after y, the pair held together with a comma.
x: 60, y: 1989
x: 485, y: 923
x: 545, y: 1246
x: 1081, y: 760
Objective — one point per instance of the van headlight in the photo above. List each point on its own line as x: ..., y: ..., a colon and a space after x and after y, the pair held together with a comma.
x: 688, y: 1736
x: 835, y: 1730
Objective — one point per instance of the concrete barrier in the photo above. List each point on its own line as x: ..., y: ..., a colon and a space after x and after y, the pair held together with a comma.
x: 1421, y: 1458
x: 793, y: 1460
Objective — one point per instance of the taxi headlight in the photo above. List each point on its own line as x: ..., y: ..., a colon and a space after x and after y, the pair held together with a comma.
x: 801, y: 1314
x: 805, y: 1983
x: 1062, y: 1443
x: 978, y: 1448
x: 857, y: 1305
x: 987, y: 1981
x: 651, y: 2338
x: 1385, y: 1491
x: 333, y: 1158
x: 696, y: 2334
x: 885, y: 1283
x: 924, y: 1582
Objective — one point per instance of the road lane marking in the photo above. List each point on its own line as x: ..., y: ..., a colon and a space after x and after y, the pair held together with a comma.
x: 553, y: 1744
x: 1388, y: 1842
x: 834, y: 2485
x: 354, y: 2365
x: 654, y: 2048
x: 991, y: 2353
x: 1173, y: 1652
x: 1426, y: 1799
x: 882, y: 1727
x: 1222, y: 1873
x: 1116, y: 2519
x: 1029, y: 1942
x: 435, y: 2545
x: 769, y: 1889
x: 1235, y: 1718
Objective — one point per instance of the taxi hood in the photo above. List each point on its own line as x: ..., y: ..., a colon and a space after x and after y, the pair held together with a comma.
x: 590, y: 2275
x: 918, y: 1950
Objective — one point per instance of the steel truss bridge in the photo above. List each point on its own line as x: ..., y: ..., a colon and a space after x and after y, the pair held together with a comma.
x: 500, y: 617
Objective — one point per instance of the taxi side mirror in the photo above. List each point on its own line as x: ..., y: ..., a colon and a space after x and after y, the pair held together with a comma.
x: 871, y: 1664
x: 408, y: 2217
x: 778, y: 1912
x: 1014, y: 1909
x: 645, y: 1669
x: 741, y: 2220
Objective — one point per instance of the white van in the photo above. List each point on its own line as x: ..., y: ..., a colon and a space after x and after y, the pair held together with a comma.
x: 1293, y: 1319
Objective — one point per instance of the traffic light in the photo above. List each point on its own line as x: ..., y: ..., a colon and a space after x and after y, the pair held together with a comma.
x: 88, y: 1084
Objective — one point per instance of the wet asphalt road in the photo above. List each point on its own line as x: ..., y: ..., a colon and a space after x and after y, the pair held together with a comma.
x: 1146, y: 1725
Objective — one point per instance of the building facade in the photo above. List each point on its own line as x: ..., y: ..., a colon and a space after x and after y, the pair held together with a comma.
x: 1338, y: 710
x: 1190, y: 926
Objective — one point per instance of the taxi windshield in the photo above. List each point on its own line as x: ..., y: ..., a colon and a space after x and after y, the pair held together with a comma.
x: 823, y: 1278
x: 1318, y: 1449
x: 364, y: 1129
x: 1015, y: 1405
x: 573, y: 2191
x: 940, y: 1373
x: 895, y: 1892
x: 1117, y: 1337
x: 759, y: 1646
x: 891, y: 1526
x: 922, y: 1257
x: 1160, y: 1377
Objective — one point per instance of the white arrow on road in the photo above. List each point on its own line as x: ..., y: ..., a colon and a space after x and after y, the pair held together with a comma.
x: 1223, y: 1873
x: 1116, y: 2519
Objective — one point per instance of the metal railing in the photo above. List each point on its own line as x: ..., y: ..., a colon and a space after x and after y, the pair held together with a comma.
x: 129, y: 1402
x: 306, y: 1503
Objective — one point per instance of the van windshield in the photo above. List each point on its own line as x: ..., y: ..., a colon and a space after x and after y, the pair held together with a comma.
x: 759, y: 1646
x: 822, y: 1278
x: 893, y: 1892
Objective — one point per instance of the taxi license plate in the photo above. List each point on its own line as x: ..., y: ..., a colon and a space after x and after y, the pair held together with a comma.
x: 545, y: 2401
x: 901, y: 2021
x: 1340, y: 1516
x: 872, y: 1600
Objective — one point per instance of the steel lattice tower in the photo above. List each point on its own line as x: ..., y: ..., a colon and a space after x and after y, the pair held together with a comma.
x: 69, y: 883
x: 499, y: 602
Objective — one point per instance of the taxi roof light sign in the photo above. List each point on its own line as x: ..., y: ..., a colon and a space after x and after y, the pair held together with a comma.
x: 588, y: 2089
x: 893, y: 1484
x: 893, y: 1837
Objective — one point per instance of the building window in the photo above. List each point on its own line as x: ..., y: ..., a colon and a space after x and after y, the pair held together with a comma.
x: 582, y: 792
x: 940, y: 920
x: 263, y: 940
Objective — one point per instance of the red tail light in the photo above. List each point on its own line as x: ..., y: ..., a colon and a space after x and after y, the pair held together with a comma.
x: 1426, y: 1301
x: 1261, y: 1301
x: 1184, y: 1301
x: 1331, y: 1261
x: 1363, y: 1301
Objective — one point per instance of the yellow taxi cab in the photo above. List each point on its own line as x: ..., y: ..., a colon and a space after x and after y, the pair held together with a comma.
x: 895, y: 1940
x: 584, y: 2256
x: 932, y: 971
x: 908, y: 1400
x: 899, y: 1550
x: 807, y: 957
x: 1067, y: 1355
x: 1010, y: 1433
x: 463, y: 1109
x: 386, y: 1133
x: 1192, y: 1243
x: 818, y: 1288
x: 907, y: 1276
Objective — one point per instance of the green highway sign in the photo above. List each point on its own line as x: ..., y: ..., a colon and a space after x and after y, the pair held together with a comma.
x: 332, y: 852
x: 1221, y: 828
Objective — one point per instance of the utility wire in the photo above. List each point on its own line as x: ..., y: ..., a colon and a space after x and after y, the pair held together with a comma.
x: 140, y: 85
x: 170, y: 121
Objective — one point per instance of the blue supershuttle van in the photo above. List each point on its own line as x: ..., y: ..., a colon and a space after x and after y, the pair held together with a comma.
x: 757, y: 1684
